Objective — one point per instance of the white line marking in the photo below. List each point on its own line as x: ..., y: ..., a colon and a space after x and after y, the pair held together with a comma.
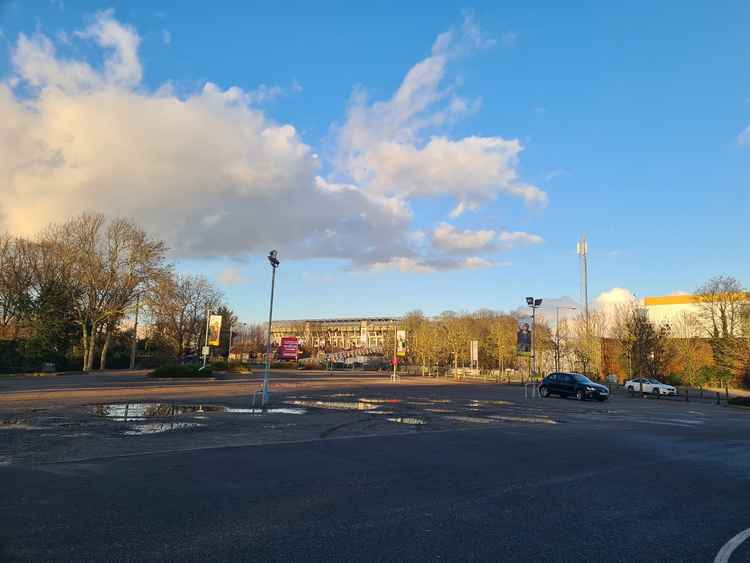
x: 726, y: 551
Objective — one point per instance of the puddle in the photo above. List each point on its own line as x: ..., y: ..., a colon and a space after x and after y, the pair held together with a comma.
x: 124, y: 412
x: 380, y: 401
x: 523, y: 419
x: 407, y: 420
x: 380, y: 412
x: 275, y: 410
x: 159, y: 427
x: 487, y: 402
x: 431, y: 401
x: 475, y: 419
x: 20, y: 425
x: 338, y: 405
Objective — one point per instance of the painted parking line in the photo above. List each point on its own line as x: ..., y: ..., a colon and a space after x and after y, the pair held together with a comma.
x: 728, y: 548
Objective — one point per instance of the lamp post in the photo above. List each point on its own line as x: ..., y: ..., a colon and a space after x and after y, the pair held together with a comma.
x: 557, y: 335
x: 274, y: 261
x: 534, y: 304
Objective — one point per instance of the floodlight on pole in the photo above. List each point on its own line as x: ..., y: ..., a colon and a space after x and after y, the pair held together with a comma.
x: 534, y: 304
x: 274, y: 261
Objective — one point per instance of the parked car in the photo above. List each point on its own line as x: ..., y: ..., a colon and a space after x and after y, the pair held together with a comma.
x: 650, y: 386
x: 572, y: 385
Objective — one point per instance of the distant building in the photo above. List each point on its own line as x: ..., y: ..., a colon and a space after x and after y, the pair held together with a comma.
x: 366, y: 333
x: 672, y: 309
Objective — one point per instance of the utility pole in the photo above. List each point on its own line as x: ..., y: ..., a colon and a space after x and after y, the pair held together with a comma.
x: 135, y: 332
x: 582, y: 248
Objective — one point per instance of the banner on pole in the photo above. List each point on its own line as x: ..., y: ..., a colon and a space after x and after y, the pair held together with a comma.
x: 523, y: 337
x: 214, y: 330
x: 289, y: 348
x: 474, y: 353
x: 401, y: 343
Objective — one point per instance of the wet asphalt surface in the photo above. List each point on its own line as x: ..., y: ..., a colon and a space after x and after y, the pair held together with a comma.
x: 375, y: 472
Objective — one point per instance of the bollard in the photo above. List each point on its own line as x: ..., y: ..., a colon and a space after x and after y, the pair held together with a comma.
x: 687, y: 394
x: 718, y: 398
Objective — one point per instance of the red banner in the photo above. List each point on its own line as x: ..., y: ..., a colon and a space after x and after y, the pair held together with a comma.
x: 289, y: 348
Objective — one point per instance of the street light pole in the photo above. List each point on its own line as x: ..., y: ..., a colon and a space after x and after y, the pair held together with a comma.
x: 229, y: 344
x: 135, y: 332
x: 557, y: 335
x: 534, y: 304
x: 205, y: 347
x: 274, y: 261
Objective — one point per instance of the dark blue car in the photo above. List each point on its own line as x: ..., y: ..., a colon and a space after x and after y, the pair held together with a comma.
x: 576, y: 385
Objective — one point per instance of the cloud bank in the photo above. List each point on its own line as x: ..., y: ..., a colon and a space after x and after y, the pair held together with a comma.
x: 211, y: 174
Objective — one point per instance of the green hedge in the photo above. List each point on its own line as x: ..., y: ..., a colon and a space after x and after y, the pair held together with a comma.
x: 175, y: 370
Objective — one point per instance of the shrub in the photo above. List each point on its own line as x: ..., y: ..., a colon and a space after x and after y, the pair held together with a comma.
x: 175, y: 370
x: 673, y: 379
x: 740, y: 401
x: 232, y: 367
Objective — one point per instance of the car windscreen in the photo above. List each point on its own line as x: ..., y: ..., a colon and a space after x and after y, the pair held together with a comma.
x: 655, y: 382
x: 581, y: 378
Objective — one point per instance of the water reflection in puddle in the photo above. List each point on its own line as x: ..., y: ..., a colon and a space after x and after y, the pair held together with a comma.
x: 407, y: 420
x: 124, y: 412
x: 474, y: 419
x: 159, y: 427
x: 361, y: 405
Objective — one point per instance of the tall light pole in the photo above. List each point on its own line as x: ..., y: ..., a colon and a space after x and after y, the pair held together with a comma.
x: 229, y: 344
x: 534, y: 304
x: 135, y: 332
x: 557, y: 335
x: 274, y: 261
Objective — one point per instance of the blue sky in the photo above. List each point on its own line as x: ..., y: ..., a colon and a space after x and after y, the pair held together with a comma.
x: 628, y: 121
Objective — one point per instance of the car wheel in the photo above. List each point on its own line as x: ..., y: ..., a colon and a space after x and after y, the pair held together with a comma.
x: 580, y: 395
x: 544, y: 392
x: 630, y: 389
x: 655, y: 392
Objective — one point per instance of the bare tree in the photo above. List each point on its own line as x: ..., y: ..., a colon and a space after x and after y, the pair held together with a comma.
x: 723, y: 308
x: 178, y: 307
x: 15, y: 282
x: 108, y: 262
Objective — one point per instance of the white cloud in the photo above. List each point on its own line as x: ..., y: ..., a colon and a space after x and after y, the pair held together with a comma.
x: 394, y: 147
x: 233, y: 276
x: 431, y: 265
x: 449, y: 239
x: 166, y: 36
x: 211, y: 174
x: 744, y: 137
x: 207, y: 172
x: 608, y: 301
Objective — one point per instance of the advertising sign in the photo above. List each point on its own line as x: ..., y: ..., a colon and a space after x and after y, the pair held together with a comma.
x: 523, y: 337
x: 401, y: 343
x: 214, y: 330
x: 289, y: 348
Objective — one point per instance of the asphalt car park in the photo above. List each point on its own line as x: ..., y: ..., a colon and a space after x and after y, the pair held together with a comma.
x: 365, y: 469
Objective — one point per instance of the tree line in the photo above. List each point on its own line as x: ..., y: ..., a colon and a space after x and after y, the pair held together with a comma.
x: 69, y: 296
x: 710, y: 345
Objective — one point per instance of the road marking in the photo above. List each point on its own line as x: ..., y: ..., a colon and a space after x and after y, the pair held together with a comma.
x: 726, y: 551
